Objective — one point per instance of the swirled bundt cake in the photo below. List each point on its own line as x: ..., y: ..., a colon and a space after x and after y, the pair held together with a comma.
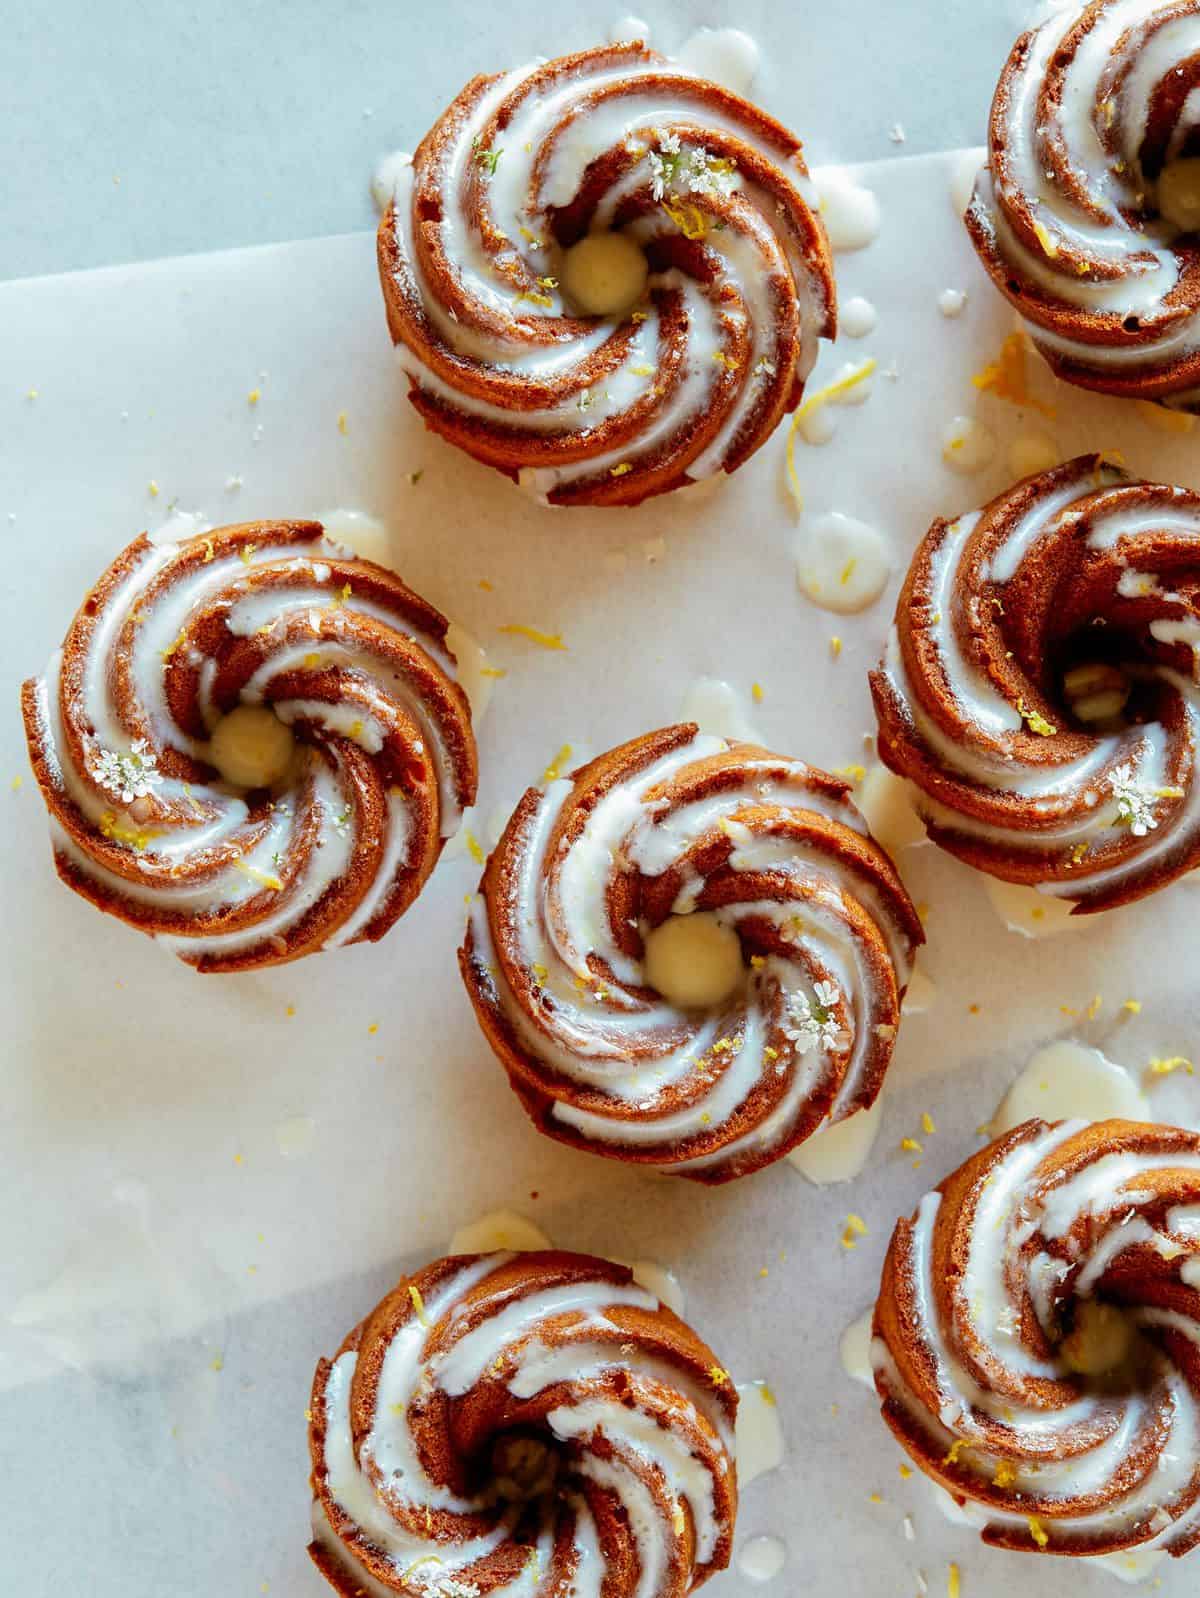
x: 514, y: 262
x: 691, y: 954
x: 529, y: 1424
x: 251, y: 744
x: 1040, y: 689
x: 1037, y: 1338
x: 1087, y: 215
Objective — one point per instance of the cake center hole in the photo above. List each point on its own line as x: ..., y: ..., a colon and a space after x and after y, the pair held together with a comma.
x: 1097, y: 694
x: 694, y: 961
x: 251, y: 747
x: 1179, y: 194
x: 524, y: 1466
x: 604, y: 274
x: 1103, y: 1346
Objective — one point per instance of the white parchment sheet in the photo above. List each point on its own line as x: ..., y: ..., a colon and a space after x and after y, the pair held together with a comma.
x: 201, y: 1192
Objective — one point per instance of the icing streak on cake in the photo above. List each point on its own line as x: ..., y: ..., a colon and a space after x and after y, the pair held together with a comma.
x: 1037, y: 1338
x: 605, y: 409
x: 270, y: 615
x: 1016, y: 777
x: 522, y: 1425
x: 1095, y: 122
x: 672, y: 824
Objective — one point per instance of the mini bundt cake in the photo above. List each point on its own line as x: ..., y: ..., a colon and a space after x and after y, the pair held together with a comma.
x: 514, y: 261
x: 690, y: 954
x: 1039, y: 685
x: 525, y: 1424
x: 251, y: 744
x: 1087, y: 216
x: 1037, y: 1338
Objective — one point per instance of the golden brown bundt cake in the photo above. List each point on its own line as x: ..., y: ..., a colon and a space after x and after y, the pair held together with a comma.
x: 1039, y: 686
x: 1087, y: 216
x: 760, y: 865
x: 251, y: 744
x: 525, y: 1424
x: 1037, y: 1338
x: 514, y: 268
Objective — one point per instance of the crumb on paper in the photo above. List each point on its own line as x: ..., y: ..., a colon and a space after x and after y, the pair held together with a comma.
x: 342, y: 425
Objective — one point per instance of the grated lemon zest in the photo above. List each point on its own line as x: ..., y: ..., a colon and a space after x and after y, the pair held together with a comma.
x: 555, y: 769
x: 263, y: 877
x: 418, y: 1304
x: 1177, y: 1062
x: 535, y: 636
x: 1006, y: 377
x: 814, y: 402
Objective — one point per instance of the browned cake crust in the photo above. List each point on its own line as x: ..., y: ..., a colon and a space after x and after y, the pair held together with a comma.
x: 1035, y: 1338
x: 589, y: 866
x: 173, y: 636
x: 533, y: 1422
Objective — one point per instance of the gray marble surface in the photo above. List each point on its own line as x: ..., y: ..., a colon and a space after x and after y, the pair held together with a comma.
x: 134, y: 130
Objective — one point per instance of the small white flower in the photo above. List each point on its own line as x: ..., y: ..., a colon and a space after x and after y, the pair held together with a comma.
x: 435, y: 1585
x: 1135, y: 804
x: 704, y: 175
x: 668, y: 143
x: 662, y: 172
x: 128, y: 777
x: 812, y: 1023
